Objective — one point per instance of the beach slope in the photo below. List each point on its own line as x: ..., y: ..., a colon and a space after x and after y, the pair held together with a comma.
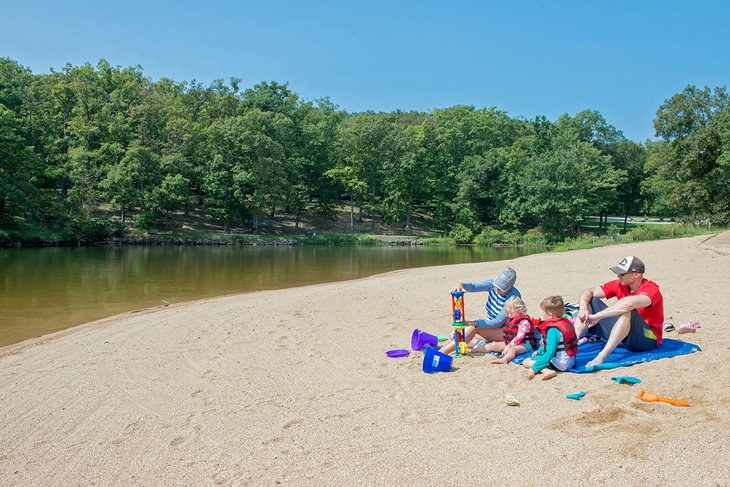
x: 293, y: 387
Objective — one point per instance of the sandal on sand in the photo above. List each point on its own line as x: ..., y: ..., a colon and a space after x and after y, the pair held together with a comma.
x: 689, y: 327
x: 668, y: 327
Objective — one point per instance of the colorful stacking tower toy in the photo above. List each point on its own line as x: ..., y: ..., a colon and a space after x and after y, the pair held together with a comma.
x: 459, y: 323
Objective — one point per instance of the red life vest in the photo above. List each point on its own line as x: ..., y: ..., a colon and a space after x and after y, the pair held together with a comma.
x: 511, y: 329
x: 570, y: 341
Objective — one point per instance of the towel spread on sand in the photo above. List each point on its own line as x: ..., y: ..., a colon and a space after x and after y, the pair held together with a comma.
x: 622, y: 357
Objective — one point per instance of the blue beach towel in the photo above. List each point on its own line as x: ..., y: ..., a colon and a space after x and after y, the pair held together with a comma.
x: 622, y: 357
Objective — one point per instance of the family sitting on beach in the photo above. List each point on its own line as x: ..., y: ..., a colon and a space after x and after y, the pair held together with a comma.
x: 634, y: 321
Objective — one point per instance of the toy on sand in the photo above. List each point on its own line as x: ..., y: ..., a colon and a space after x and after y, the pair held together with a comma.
x: 459, y: 323
x: 650, y: 397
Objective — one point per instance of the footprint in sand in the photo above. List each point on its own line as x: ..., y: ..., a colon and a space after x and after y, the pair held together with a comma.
x: 177, y: 441
x: 291, y: 423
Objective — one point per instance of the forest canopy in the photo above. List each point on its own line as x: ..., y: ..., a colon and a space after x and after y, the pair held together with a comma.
x: 74, y: 140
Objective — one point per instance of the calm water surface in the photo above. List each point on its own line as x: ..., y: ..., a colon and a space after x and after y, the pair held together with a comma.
x: 50, y: 289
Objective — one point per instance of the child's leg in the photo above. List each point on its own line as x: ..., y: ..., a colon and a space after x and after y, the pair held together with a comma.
x: 470, y: 332
x: 548, y: 373
x: 491, y: 334
x: 484, y: 334
x: 528, y: 363
x: 450, y: 347
x: 495, y: 347
x: 511, y: 354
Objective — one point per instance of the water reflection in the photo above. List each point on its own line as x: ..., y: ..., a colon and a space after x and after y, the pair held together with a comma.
x: 50, y: 289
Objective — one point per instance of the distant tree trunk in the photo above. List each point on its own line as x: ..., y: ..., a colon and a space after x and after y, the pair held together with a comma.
x: 298, y: 217
x: 227, y: 226
x: 123, y: 215
x: 352, y: 215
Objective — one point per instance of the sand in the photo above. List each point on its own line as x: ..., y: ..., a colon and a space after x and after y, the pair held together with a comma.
x: 292, y: 387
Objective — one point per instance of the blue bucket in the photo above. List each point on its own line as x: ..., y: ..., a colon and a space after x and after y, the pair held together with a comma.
x: 421, y: 339
x: 435, y: 361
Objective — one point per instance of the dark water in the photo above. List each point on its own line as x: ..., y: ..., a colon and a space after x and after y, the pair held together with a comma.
x: 50, y: 289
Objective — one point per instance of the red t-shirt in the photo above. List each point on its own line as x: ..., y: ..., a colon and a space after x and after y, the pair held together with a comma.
x: 652, y: 314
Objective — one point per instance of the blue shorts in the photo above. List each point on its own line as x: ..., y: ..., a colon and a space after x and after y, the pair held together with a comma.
x: 640, y: 338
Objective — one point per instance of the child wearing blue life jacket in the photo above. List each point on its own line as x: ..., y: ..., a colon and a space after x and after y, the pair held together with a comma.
x: 518, y: 333
x: 559, y: 344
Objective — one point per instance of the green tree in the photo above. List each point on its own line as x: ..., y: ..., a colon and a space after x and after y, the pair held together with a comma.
x: 689, y: 123
x: 16, y: 190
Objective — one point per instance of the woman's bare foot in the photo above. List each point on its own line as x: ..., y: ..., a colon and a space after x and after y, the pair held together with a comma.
x: 499, y: 361
x: 548, y: 374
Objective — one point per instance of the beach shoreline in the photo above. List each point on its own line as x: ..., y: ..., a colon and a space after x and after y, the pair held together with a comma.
x: 293, y: 387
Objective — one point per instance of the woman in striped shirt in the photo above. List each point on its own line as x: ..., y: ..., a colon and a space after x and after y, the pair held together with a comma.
x: 500, y: 289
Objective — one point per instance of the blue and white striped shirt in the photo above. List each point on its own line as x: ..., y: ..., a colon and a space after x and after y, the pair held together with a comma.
x: 495, y: 301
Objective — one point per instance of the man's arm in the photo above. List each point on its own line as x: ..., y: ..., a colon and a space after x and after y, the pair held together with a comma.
x: 585, y: 299
x: 620, y: 307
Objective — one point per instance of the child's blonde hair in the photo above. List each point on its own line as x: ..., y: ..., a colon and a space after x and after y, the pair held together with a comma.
x: 516, y: 305
x: 553, y: 305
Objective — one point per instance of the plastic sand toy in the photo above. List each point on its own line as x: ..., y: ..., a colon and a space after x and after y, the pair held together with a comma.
x: 511, y: 400
x: 399, y: 352
x: 625, y: 379
x: 650, y: 397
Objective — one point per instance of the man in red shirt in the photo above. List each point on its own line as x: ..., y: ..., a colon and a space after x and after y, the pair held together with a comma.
x: 635, y: 320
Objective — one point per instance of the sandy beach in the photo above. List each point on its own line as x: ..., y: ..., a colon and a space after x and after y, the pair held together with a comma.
x: 292, y: 387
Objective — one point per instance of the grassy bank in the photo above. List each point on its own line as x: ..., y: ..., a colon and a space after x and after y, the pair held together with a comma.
x: 197, y: 229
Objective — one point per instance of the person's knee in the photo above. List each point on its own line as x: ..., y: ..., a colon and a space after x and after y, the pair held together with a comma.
x: 625, y: 318
x: 596, y: 304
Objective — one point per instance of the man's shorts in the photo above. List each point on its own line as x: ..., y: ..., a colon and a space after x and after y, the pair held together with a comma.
x: 640, y: 338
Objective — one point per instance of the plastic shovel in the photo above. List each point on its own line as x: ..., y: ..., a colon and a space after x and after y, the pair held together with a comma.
x: 625, y: 379
x: 650, y: 397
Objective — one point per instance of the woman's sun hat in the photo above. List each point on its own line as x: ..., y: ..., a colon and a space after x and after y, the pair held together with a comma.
x: 505, y: 280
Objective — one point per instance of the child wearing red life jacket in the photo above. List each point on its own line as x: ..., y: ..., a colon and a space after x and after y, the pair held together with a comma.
x: 559, y: 344
x: 519, y: 334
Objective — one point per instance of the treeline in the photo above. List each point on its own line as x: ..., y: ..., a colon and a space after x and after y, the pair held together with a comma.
x: 85, y: 137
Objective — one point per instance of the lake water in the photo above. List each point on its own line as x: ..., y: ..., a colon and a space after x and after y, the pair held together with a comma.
x: 49, y: 289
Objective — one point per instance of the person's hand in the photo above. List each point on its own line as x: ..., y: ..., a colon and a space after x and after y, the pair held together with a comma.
x: 590, y: 320
x: 534, y: 354
x: 582, y: 315
x: 531, y: 374
x: 459, y: 287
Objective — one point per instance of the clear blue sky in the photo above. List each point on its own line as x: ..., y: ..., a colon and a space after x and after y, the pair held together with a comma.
x: 622, y: 58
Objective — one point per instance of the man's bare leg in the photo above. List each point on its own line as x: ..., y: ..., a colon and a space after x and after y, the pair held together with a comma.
x: 619, y: 331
